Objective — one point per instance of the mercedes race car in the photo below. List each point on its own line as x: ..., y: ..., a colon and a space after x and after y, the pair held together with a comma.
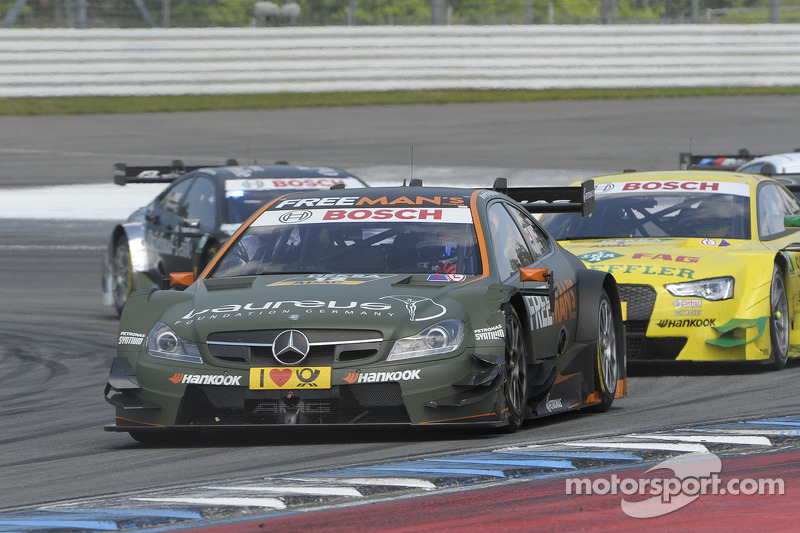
x: 708, y: 263
x: 393, y: 305
x: 184, y: 226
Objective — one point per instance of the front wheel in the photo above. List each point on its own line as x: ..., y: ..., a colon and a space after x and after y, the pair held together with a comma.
x: 607, y: 363
x: 778, y: 320
x: 516, y: 386
x: 121, y: 273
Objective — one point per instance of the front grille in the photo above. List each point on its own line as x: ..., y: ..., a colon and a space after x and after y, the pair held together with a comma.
x: 327, y: 346
x: 368, y: 403
x: 640, y: 300
x: 634, y: 338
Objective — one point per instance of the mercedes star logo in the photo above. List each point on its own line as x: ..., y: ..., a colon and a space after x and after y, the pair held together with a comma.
x: 290, y: 347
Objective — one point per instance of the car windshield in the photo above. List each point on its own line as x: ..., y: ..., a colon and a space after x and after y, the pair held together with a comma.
x: 241, y: 204
x: 685, y: 214
x: 353, y: 247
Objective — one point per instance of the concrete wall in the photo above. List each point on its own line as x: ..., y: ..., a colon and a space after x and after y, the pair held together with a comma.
x: 63, y: 62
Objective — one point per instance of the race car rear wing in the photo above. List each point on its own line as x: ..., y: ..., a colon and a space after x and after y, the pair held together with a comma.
x: 690, y: 161
x: 551, y: 199
x: 124, y: 174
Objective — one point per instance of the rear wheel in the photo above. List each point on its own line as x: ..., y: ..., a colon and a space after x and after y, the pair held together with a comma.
x: 607, y: 364
x: 516, y: 389
x: 121, y: 273
x: 778, y: 320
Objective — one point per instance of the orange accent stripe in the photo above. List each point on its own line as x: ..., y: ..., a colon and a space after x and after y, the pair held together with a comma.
x: 138, y: 422
x: 560, y: 378
x: 481, y: 239
x: 235, y: 236
x: 462, y: 418
x: 592, y: 398
x: 622, y: 388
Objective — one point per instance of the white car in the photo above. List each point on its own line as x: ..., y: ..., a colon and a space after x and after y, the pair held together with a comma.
x: 787, y: 163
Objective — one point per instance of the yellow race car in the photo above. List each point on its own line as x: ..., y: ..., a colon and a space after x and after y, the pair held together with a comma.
x: 708, y: 262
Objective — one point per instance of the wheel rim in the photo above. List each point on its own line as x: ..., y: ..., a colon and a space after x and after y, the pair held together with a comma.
x: 779, y: 317
x: 515, y: 368
x: 121, y: 275
x: 607, y: 348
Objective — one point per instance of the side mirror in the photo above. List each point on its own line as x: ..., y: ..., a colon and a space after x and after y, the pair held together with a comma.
x: 791, y: 221
x: 190, y: 226
x: 539, y: 274
x: 177, y: 280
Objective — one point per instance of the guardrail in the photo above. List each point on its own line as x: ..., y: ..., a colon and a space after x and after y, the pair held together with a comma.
x: 140, y: 62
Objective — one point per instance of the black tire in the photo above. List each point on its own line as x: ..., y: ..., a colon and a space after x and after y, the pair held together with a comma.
x: 516, y: 373
x: 607, y: 360
x: 778, y: 320
x: 121, y: 273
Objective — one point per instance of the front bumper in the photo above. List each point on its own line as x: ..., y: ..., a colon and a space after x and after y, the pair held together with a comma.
x: 164, y: 396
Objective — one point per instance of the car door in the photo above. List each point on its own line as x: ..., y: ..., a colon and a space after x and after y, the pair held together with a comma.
x: 773, y: 203
x: 197, y: 216
x: 161, y: 221
x: 518, y: 241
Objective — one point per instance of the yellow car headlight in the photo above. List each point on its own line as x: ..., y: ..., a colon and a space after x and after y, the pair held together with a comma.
x: 713, y: 289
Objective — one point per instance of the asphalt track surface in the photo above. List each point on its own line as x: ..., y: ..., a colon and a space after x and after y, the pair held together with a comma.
x: 57, y: 340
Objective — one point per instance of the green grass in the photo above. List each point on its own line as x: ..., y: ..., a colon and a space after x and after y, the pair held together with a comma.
x: 166, y: 104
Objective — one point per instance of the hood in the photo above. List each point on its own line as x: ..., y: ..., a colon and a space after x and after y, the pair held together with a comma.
x: 662, y: 260
x: 395, y: 304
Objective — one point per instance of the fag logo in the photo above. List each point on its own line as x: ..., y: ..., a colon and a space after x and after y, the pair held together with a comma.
x: 666, y: 257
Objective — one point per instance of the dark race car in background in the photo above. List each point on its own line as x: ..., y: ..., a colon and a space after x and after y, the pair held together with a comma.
x: 184, y: 226
x: 392, y: 305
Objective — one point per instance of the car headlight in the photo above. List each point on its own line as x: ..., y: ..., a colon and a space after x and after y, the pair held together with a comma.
x: 440, y: 338
x: 164, y: 343
x: 713, y: 289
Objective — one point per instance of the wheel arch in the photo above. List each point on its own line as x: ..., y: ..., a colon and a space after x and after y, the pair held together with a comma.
x: 591, y: 283
x: 784, y: 262
x: 517, y: 303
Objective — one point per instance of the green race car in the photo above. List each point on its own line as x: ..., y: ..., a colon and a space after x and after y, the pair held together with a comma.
x: 393, y: 305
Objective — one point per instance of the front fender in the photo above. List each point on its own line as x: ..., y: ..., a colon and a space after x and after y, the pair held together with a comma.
x: 591, y: 283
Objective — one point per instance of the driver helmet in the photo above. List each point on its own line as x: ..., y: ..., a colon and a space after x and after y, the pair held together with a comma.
x: 712, y: 226
x: 437, y: 255
x: 713, y: 218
